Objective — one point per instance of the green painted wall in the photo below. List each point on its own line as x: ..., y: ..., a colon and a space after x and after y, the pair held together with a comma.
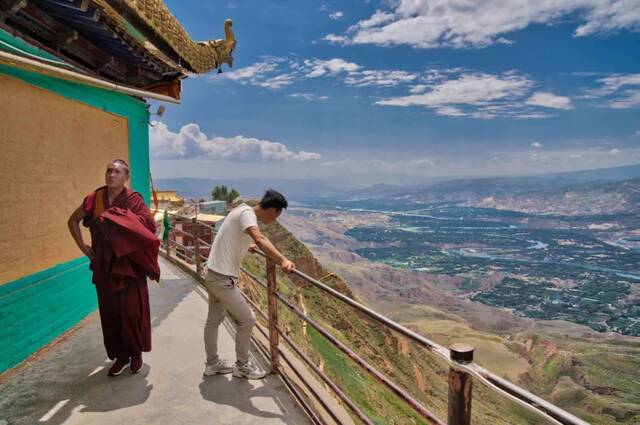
x: 36, y: 309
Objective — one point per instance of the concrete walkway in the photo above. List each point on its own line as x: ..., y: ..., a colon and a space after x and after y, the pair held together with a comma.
x: 68, y: 384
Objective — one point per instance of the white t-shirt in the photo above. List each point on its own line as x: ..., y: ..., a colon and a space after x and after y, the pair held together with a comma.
x: 231, y: 242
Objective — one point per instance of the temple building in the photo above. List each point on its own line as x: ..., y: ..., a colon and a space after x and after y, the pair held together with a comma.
x: 168, y: 199
x: 74, y: 79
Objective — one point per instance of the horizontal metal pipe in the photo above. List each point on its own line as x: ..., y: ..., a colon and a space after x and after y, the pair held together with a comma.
x: 525, y: 396
x: 286, y: 359
x: 202, y: 223
x: 184, y: 257
x: 292, y: 389
x: 427, y: 343
x: 336, y: 389
x: 514, y: 392
x: 317, y: 420
x: 253, y: 277
x: 207, y: 244
x: 183, y: 232
x: 315, y: 368
x: 415, y: 404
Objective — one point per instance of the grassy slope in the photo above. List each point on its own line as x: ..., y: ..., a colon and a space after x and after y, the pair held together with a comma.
x: 388, y: 352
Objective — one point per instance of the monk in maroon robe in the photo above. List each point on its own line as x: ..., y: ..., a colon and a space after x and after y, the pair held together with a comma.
x: 123, y: 253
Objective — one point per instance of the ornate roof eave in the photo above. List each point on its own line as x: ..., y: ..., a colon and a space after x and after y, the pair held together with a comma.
x: 193, y: 56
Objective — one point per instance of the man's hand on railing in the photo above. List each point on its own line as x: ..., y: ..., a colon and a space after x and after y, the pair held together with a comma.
x: 287, y: 265
x: 253, y: 248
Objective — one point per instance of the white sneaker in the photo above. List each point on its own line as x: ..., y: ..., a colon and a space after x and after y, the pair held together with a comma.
x: 248, y: 371
x: 221, y: 367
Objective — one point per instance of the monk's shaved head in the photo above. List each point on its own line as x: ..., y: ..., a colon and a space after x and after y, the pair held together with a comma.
x: 120, y: 163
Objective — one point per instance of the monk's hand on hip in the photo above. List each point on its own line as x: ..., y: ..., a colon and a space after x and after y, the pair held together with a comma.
x: 88, y: 251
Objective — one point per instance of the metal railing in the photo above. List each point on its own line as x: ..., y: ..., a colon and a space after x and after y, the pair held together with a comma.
x: 458, y: 357
x: 189, y: 253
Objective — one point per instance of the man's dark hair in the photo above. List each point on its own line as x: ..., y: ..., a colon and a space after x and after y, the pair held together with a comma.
x: 273, y: 199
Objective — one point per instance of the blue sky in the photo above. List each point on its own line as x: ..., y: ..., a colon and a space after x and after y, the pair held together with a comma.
x: 401, y: 91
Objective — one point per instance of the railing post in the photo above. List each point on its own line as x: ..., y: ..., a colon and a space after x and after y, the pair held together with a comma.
x: 196, y: 244
x: 272, y: 307
x: 460, y: 386
x: 168, y: 244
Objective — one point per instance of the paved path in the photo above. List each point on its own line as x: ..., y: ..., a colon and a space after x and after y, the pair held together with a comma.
x: 68, y: 384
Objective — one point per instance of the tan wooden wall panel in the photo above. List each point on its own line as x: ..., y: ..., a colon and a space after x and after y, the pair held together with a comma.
x: 54, y: 152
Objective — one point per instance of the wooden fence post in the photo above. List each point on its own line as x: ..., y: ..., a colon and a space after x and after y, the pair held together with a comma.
x: 196, y: 245
x: 460, y: 386
x: 272, y: 307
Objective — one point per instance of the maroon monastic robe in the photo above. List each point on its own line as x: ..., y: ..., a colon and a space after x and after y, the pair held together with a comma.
x: 126, y: 253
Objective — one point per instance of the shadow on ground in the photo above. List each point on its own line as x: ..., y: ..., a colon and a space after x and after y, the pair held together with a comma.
x: 72, y: 375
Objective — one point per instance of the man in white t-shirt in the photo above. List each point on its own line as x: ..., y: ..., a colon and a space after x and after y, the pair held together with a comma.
x: 234, y: 239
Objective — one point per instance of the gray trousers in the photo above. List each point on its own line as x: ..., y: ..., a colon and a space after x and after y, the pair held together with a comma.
x: 225, y: 297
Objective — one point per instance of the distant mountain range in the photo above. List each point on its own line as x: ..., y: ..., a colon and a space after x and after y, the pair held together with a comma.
x: 593, y: 198
x: 492, y: 186
x: 579, y: 192
x: 588, y: 192
x: 527, y: 194
x: 249, y: 188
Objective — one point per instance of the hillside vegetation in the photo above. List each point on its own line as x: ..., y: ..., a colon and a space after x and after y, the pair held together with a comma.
x: 597, y: 381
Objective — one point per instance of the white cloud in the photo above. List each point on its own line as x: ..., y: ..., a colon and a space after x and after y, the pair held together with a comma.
x: 613, y: 83
x: 532, y: 115
x: 252, y: 71
x: 418, y: 88
x: 191, y: 143
x: 261, y: 74
x: 611, y: 15
x: 308, y: 96
x: 468, y: 89
x: 526, y: 161
x: 455, y: 92
x: 549, y: 100
x: 450, y: 111
x: 536, y: 145
x: 472, y: 23
x: 335, y: 66
x: 630, y: 99
x: 384, y: 165
x: 617, y: 91
x: 276, y: 82
x: 476, y: 95
x: 381, y: 78
x: 337, y: 15
x: 270, y: 73
x: 332, y: 38
x: 354, y: 74
x: 553, y: 160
